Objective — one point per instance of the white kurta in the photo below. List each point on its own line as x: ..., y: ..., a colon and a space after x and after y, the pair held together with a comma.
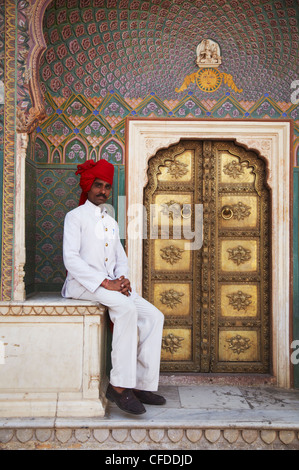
x: 92, y: 251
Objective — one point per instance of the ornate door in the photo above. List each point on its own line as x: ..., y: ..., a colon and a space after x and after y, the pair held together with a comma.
x: 206, y: 256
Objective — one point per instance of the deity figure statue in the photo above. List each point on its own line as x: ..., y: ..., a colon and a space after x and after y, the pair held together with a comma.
x: 208, y: 54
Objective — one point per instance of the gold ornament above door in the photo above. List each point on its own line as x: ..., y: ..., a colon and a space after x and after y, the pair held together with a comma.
x: 207, y: 256
x: 208, y: 78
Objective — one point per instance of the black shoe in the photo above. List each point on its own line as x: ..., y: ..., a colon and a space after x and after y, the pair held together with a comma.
x: 149, y: 398
x: 125, y: 400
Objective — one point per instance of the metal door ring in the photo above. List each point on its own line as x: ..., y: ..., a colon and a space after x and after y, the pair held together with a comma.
x: 227, y: 213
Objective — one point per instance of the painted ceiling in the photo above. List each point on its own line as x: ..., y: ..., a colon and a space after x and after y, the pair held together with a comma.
x: 136, y: 47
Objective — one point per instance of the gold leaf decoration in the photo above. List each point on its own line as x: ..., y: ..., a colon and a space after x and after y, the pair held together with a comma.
x: 239, y: 344
x: 171, y: 254
x: 171, y: 298
x: 239, y: 300
x: 171, y: 208
x: 239, y: 254
x: 234, y: 169
x: 240, y: 210
x: 177, y: 169
x: 171, y: 343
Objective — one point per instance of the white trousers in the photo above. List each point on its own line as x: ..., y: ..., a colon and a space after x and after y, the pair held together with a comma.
x: 136, y: 339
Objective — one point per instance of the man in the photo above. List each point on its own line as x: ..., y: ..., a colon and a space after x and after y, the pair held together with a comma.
x: 97, y: 269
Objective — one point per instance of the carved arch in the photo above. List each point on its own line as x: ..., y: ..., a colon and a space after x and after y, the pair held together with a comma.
x: 28, y: 120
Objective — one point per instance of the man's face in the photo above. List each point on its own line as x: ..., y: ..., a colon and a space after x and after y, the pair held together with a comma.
x: 99, y: 192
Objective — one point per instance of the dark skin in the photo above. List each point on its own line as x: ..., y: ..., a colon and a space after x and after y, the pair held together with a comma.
x: 98, y: 194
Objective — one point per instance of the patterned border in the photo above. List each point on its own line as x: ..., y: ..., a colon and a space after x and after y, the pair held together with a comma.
x: 56, y: 309
x: 169, y: 438
x: 9, y: 151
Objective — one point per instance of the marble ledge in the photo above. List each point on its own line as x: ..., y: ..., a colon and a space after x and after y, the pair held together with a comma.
x: 169, y: 419
x: 50, y: 303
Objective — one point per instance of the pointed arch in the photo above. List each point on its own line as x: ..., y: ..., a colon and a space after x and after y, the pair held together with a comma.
x: 116, y: 159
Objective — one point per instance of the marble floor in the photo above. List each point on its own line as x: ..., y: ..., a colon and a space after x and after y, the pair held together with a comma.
x: 218, y: 404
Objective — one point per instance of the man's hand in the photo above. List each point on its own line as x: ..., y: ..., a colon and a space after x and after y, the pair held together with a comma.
x: 125, y: 285
x: 121, y: 284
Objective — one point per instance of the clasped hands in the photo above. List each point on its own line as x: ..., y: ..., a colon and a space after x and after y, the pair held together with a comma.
x: 122, y: 284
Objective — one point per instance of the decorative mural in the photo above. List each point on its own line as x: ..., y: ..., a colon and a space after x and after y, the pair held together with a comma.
x: 137, y: 47
x: 107, y: 60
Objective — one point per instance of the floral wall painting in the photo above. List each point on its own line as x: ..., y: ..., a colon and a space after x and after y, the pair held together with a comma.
x: 112, y: 151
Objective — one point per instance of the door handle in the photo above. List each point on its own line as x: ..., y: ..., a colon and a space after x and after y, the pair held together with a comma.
x: 227, y: 212
x: 186, y: 211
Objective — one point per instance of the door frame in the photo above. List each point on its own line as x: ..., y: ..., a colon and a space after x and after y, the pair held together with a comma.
x: 272, y: 141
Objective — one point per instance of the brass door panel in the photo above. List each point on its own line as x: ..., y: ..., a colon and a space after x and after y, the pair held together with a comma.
x: 240, y: 336
x: 239, y: 210
x: 173, y: 298
x: 176, y: 345
x: 172, y: 255
x: 178, y: 169
x: 239, y: 345
x: 239, y: 300
x: 169, y: 209
x: 238, y: 255
x: 215, y: 298
x: 233, y: 170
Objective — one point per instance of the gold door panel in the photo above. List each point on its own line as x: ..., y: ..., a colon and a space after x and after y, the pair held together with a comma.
x: 178, y: 169
x: 170, y: 210
x: 239, y: 300
x: 239, y: 255
x: 233, y: 171
x: 238, y: 346
x: 176, y: 344
x: 173, y: 298
x: 239, y: 211
x: 215, y: 296
x: 172, y: 255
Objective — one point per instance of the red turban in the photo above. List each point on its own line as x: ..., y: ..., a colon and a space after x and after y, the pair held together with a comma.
x: 90, y: 171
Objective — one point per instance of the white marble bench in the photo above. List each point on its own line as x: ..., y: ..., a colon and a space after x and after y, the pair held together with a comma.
x: 52, y: 357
